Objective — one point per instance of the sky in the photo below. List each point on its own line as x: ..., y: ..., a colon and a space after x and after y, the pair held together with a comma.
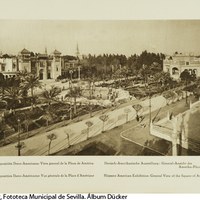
x: 98, y: 37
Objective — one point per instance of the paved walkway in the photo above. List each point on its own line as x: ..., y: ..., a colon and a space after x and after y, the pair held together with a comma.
x: 131, y: 138
x: 38, y: 145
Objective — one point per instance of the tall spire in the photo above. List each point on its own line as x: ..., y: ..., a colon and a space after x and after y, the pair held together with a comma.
x: 77, y: 51
x: 45, y: 50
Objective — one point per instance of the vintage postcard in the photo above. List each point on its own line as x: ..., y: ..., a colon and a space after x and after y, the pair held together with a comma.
x: 94, y: 100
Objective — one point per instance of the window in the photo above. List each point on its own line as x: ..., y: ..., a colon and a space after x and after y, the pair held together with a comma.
x: 3, y: 68
x: 175, y: 71
x: 187, y: 63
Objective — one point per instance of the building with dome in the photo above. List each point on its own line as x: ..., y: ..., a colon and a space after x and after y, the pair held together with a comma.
x: 43, y: 65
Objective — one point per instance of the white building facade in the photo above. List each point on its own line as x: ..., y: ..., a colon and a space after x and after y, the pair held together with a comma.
x: 8, y: 66
x: 42, y: 65
x: 177, y: 63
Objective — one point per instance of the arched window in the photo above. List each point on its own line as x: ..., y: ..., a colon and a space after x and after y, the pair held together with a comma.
x: 175, y: 71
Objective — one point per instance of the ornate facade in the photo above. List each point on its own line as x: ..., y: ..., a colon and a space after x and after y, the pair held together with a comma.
x: 43, y: 65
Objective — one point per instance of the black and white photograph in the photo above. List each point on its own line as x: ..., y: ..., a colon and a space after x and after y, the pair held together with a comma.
x: 99, y: 87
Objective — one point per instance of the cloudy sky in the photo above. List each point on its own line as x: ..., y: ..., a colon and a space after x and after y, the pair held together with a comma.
x: 98, y: 37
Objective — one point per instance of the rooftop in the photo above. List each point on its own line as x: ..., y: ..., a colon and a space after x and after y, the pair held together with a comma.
x: 56, y: 52
x: 25, y: 51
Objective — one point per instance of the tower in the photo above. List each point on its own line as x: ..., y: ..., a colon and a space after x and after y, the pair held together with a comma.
x: 77, y: 52
x: 46, y: 50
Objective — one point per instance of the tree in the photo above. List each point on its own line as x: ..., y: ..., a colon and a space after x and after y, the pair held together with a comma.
x: 137, y: 108
x: 3, y: 129
x: 31, y: 81
x: 51, y: 137
x: 103, y: 118
x: 169, y: 95
x: 74, y: 93
x: 91, y: 87
x: 145, y: 71
x: 89, y: 124
x: 2, y: 84
x: 186, y: 77
x: 27, y: 122
x: 20, y: 144
x: 48, y: 117
x: 14, y: 94
x: 51, y: 95
x: 162, y: 79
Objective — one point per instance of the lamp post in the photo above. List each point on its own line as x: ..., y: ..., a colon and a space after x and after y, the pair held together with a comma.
x: 149, y: 94
x: 149, y: 108
x: 3, y: 121
x: 19, y: 145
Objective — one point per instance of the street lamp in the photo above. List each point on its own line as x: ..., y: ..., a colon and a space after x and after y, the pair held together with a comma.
x: 3, y: 121
x: 149, y: 108
x: 20, y: 144
x: 149, y: 94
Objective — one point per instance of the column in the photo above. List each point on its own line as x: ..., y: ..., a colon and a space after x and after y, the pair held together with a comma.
x: 174, y: 137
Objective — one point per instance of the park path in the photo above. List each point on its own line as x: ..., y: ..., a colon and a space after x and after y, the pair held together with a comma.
x: 38, y: 145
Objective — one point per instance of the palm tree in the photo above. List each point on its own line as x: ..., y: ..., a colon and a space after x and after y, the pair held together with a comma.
x: 48, y: 117
x: 89, y: 124
x: 51, y: 137
x: 2, y: 84
x: 186, y: 77
x: 27, y: 122
x: 137, y: 108
x: 169, y: 95
x: 74, y: 93
x: 3, y: 128
x: 103, y: 118
x: 14, y: 94
x: 31, y: 81
x: 50, y: 95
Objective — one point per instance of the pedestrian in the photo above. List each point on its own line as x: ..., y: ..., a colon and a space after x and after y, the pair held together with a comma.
x: 171, y: 116
x: 137, y: 118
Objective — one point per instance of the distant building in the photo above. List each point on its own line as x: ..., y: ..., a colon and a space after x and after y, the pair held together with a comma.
x: 24, y: 60
x: 45, y: 66
x: 69, y: 63
x: 48, y: 66
x: 177, y: 63
x: 8, y: 65
x: 56, y: 65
